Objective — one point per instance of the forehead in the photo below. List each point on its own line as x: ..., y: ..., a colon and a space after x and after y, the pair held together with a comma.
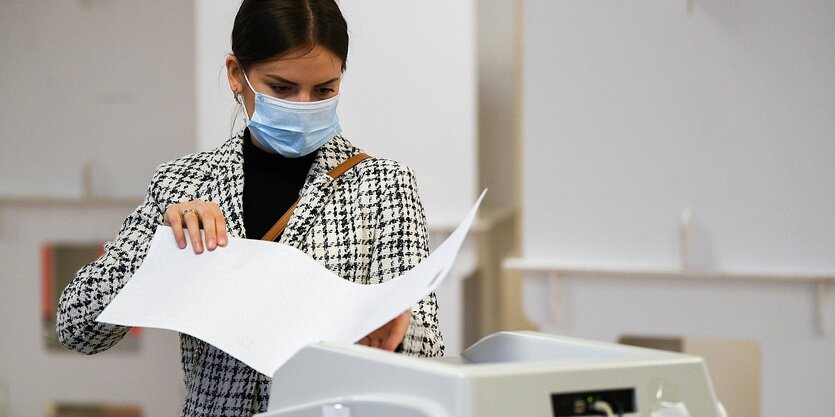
x: 307, y: 64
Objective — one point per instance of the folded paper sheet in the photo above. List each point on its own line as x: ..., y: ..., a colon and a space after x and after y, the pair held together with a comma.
x: 262, y: 301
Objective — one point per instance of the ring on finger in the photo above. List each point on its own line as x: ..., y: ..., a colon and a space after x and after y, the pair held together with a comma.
x: 187, y: 210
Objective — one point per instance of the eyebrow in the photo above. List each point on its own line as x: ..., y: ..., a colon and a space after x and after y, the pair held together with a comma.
x: 284, y: 80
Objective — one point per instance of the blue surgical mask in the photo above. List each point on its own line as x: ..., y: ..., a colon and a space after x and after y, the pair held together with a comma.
x: 292, y: 128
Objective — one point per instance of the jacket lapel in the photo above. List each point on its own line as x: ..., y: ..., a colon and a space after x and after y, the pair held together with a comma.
x: 227, y: 168
x: 227, y: 189
x: 317, y: 190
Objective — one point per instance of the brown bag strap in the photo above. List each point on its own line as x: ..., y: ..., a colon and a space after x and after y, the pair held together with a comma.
x: 340, y: 169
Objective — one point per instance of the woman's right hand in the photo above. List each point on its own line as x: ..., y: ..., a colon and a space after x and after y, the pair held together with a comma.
x: 193, y: 216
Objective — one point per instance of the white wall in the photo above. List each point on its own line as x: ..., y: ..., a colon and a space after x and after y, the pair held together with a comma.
x: 214, y: 105
x: 104, y: 83
x: 409, y: 92
x: 633, y: 112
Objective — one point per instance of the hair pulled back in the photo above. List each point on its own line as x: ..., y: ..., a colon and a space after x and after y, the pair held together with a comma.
x: 270, y: 29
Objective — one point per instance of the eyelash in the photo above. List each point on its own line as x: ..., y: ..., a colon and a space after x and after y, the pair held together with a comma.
x: 284, y: 89
x: 281, y: 88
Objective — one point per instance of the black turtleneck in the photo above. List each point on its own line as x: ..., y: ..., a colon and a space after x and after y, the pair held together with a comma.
x: 271, y: 185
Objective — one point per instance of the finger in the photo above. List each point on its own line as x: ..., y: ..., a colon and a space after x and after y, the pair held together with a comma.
x: 220, y: 226
x: 375, y: 342
x: 193, y: 224
x: 364, y: 341
x: 397, y: 333
x: 207, y: 219
x: 172, y: 217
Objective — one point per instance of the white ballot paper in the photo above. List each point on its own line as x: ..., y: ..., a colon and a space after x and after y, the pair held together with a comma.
x: 261, y: 302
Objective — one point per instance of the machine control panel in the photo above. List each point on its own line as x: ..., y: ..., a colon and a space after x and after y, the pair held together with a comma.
x: 583, y: 403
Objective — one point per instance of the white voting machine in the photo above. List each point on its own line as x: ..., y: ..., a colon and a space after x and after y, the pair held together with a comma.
x: 507, y: 374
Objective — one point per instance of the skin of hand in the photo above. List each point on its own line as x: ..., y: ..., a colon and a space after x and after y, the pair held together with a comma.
x: 390, y: 335
x: 201, y: 214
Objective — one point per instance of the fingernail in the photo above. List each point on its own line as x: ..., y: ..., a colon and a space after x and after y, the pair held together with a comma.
x: 221, y: 241
x: 210, y: 244
x: 181, y: 244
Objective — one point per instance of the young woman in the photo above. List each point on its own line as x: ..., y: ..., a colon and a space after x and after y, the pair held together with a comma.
x: 366, y: 225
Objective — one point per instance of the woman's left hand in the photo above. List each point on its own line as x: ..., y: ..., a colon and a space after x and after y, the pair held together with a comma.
x: 390, y: 335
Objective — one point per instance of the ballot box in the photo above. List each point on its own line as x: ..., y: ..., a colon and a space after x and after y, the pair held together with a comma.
x: 505, y: 374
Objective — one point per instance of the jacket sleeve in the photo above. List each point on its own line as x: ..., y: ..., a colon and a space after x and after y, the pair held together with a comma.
x: 401, y: 243
x: 97, y: 284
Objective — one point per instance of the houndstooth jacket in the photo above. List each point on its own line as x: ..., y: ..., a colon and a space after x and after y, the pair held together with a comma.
x: 367, y: 226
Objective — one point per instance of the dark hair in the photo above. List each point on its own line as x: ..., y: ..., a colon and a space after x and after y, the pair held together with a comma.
x: 270, y: 29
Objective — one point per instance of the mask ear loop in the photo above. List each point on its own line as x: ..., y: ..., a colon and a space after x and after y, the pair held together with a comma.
x: 237, y: 110
x: 247, y: 82
x: 239, y: 97
x: 242, y: 108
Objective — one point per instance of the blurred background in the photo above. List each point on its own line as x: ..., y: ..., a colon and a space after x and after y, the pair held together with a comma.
x: 660, y: 173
